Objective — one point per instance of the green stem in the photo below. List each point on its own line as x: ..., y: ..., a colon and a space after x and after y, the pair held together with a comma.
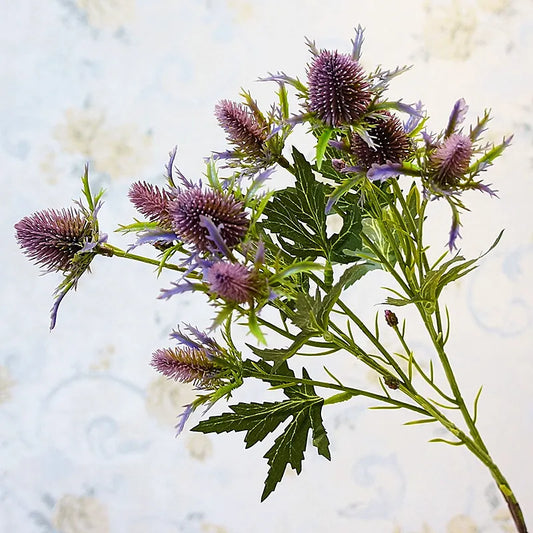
x: 110, y: 250
x: 289, y: 381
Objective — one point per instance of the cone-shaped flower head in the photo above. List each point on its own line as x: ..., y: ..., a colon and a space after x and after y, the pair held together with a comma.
x: 387, y: 142
x: 197, y: 359
x: 232, y: 281
x: 338, y: 91
x: 186, y: 364
x: 451, y: 159
x: 152, y: 202
x: 193, y: 204
x: 241, y: 127
x: 51, y: 238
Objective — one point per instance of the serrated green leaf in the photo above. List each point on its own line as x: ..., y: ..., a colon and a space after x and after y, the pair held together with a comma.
x: 297, y: 214
x: 259, y: 420
x: 320, y: 436
x: 288, y: 448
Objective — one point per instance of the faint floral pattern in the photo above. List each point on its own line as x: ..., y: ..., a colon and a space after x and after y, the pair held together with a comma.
x: 449, y: 30
x: 107, y: 14
x: 207, y: 527
x: 199, y: 445
x: 6, y: 384
x: 504, y: 279
x: 165, y: 399
x: 80, y: 514
x: 503, y: 518
x: 119, y: 150
x: 496, y: 6
x: 461, y: 524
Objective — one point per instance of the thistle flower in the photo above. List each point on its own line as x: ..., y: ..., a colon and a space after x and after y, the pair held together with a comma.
x: 196, y: 361
x: 187, y: 365
x: 232, y: 281
x: 386, y: 142
x: 193, y: 206
x: 451, y: 160
x: 152, y: 202
x: 338, y: 91
x: 241, y: 127
x: 52, y: 238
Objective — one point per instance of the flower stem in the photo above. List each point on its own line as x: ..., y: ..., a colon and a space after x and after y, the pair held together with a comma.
x: 110, y: 250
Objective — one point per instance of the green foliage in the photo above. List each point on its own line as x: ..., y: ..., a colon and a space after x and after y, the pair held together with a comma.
x: 297, y: 216
x: 258, y: 420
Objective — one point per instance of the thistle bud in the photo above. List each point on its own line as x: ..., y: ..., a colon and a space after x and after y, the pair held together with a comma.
x: 241, y: 127
x: 152, y: 202
x: 391, y: 381
x: 391, y: 318
x: 187, y: 365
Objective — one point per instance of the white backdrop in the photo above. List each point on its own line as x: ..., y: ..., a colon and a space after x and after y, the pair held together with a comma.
x: 86, y: 426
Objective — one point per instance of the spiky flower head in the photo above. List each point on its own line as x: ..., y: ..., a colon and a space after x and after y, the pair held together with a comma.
x: 241, y: 127
x: 51, y: 238
x: 198, y: 359
x: 451, y: 160
x: 338, y: 91
x: 386, y: 142
x: 192, y: 206
x: 152, y: 202
x: 232, y: 281
x: 187, y: 365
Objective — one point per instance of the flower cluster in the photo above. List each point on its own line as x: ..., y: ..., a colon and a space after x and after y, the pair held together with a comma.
x: 248, y: 249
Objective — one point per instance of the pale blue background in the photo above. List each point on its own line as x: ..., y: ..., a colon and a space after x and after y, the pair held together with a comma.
x: 86, y: 426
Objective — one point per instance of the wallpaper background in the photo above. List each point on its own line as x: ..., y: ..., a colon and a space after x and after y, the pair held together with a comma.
x: 86, y: 426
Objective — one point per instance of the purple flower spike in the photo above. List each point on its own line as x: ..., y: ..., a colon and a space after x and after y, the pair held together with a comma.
x: 232, y: 282
x: 241, y: 127
x: 187, y: 365
x: 51, y: 238
x: 338, y: 91
x: 183, y: 417
x: 223, y: 210
x: 384, y: 172
x: 215, y: 236
x: 457, y: 116
x: 454, y: 232
x: 152, y: 202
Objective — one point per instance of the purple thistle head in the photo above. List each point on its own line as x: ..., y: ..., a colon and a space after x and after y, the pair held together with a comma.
x: 338, y: 91
x: 227, y: 214
x: 387, y: 142
x: 187, y: 365
x: 241, y: 127
x: 232, y: 281
x: 51, y: 238
x: 451, y: 160
x: 152, y: 202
